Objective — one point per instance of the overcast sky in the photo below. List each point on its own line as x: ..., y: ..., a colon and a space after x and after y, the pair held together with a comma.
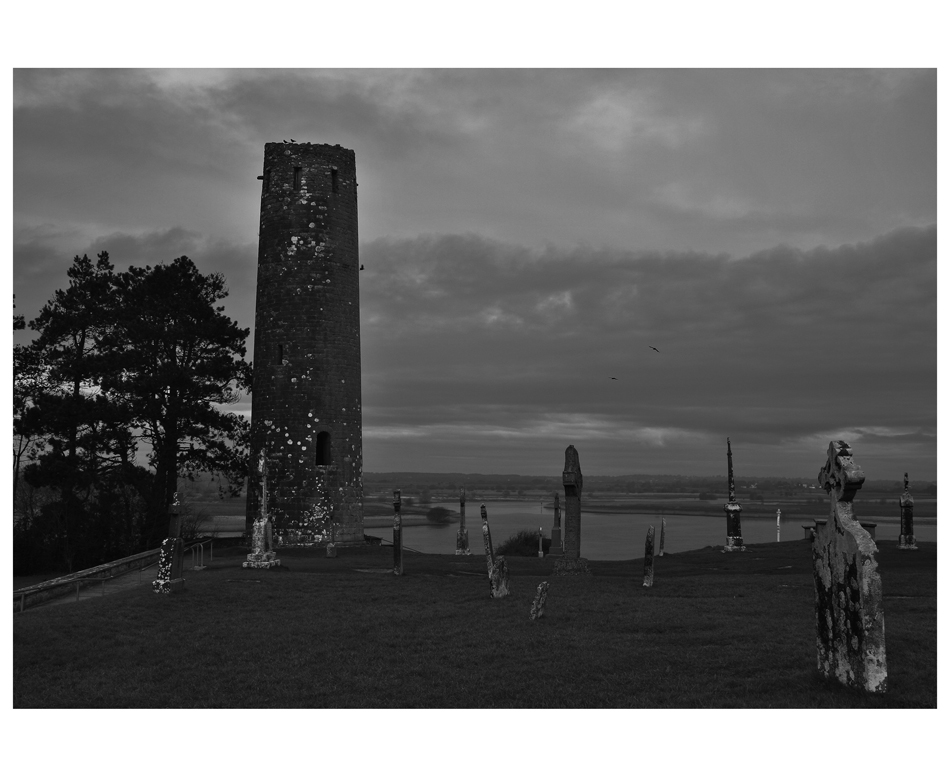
x: 527, y: 235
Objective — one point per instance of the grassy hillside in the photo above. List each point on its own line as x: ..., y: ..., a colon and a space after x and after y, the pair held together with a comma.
x: 716, y: 630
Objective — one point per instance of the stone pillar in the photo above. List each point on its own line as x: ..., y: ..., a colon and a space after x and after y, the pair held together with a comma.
x: 778, y: 525
x: 540, y: 542
x: 907, y: 541
x: 732, y: 508
x: 497, y: 567
x: 662, y: 535
x: 461, y: 539
x: 397, y: 533
x: 849, y: 604
x: 262, y: 555
x: 572, y: 563
x: 537, y: 606
x: 573, y: 485
x: 648, y: 559
x: 556, y: 546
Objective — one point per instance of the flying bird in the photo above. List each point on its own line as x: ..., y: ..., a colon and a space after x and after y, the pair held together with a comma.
x: 655, y: 349
x: 612, y: 378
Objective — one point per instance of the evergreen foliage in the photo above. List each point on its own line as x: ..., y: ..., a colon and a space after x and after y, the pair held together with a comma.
x: 123, y: 364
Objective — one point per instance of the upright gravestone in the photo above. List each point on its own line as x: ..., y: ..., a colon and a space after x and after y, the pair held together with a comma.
x: 169, y: 576
x: 461, y: 539
x: 397, y: 533
x: 733, y: 509
x: 497, y: 566
x: 540, y: 542
x: 556, y: 545
x: 262, y: 555
x: 648, y: 559
x: 849, y: 606
x: 662, y: 535
x: 778, y: 525
x: 572, y: 563
x: 907, y: 541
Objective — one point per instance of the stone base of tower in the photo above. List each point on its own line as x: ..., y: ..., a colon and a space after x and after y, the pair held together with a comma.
x: 733, y: 543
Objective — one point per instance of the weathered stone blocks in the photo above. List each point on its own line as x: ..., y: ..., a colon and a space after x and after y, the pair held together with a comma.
x: 571, y: 562
x: 497, y: 565
x: 849, y: 606
x: 540, y: 597
x: 306, y: 402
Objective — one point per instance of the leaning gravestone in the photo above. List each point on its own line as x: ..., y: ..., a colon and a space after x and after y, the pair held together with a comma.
x: 849, y: 607
x: 497, y: 565
x: 537, y: 606
x: 907, y: 540
x: 572, y: 563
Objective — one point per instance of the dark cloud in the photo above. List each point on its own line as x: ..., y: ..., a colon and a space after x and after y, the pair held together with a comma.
x: 529, y: 233
x: 477, y: 335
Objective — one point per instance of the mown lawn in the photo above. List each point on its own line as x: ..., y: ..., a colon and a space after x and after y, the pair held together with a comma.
x: 716, y: 630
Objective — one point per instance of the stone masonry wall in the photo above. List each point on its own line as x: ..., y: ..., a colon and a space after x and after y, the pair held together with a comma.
x: 307, y: 343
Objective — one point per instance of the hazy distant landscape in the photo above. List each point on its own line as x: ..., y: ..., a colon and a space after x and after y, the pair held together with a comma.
x: 622, y: 494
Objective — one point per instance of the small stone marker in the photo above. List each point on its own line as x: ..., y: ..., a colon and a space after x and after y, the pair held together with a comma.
x: 497, y: 567
x: 572, y: 563
x: 662, y: 535
x: 397, y: 533
x: 262, y: 555
x: 540, y: 542
x: 849, y: 606
x: 461, y: 539
x: 648, y: 559
x: 907, y: 541
x: 556, y: 545
x: 732, y: 508
x: 537, y: 607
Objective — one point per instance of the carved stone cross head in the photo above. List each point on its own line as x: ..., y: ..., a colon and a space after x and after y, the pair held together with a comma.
x: 840, y: 474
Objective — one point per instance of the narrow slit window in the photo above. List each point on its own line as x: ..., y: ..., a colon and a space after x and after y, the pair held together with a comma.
x: 334, y: 181
x: 280, y: 354
x: 297, y: 172
x: 323, y: 449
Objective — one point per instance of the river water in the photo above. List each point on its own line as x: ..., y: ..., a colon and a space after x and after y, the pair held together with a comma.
x: 615, y: 536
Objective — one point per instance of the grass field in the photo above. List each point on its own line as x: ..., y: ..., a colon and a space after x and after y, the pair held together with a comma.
x: 716, y: 630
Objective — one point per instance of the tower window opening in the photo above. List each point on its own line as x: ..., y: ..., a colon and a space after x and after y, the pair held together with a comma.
x: 297, y: 172
x: 280, y: 354
x: 334, y: 181
x: 323, y: 449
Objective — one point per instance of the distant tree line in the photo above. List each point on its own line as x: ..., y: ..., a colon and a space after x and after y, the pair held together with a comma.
x: 125, y: 367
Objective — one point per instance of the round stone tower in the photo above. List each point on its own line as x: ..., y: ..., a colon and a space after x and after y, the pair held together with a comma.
x: 306, y: 414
